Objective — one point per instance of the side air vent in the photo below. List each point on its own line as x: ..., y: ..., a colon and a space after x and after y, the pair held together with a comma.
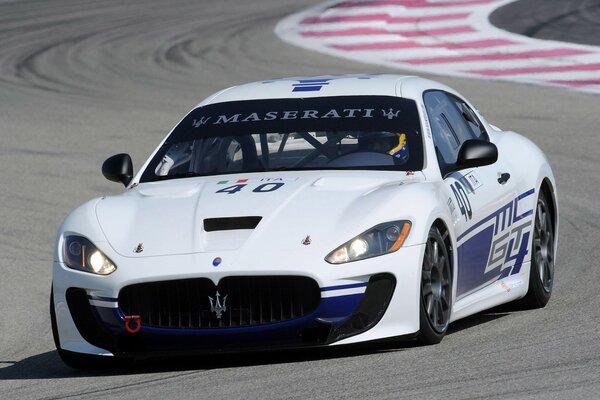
x: 231, y: 223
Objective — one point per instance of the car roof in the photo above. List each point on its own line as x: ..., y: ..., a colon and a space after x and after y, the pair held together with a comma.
x: 327, y: 85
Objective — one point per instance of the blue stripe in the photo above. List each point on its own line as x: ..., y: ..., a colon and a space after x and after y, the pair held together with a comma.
x: 483, y: 221
x: 520, y: 217
x: 527, y: 193
x: 350, y: 286
x: 307, y: 89
x: 498, y: 212
x: 473, y: 258
x: 526, y: 214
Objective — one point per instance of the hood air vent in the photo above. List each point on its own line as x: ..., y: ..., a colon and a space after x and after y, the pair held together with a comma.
x: 230, y: 223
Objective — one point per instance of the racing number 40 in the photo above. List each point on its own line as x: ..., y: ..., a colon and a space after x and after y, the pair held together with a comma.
x: 264, y: 188
x: 463, y: 200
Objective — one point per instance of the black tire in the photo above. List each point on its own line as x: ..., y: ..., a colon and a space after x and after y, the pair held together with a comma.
x: 436, y: 290
x: 541, y: 276
x: 78, y: 360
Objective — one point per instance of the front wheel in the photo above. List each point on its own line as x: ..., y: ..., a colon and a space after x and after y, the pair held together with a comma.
x: 436, y: 289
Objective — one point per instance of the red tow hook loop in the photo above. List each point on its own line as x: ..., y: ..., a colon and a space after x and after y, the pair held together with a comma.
x: 137, y: 322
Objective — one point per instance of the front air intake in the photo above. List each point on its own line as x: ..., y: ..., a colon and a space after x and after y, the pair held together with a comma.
x: 370, y: 309
x: 230, y: 223
x: 85, y: 319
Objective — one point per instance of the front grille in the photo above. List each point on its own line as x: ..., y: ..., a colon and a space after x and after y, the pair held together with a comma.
x: 251, y: 300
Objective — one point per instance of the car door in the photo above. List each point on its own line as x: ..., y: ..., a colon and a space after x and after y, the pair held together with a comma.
x: 480, y: 199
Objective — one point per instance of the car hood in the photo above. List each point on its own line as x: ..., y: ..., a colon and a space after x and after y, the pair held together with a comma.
x: 170, y: 217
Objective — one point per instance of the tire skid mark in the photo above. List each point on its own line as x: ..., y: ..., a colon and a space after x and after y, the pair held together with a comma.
x: 68, y: 54
x: 440, y: 37
x: 32, y: 69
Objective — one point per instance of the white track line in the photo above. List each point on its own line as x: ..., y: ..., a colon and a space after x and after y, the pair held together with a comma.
x: 446, y: 37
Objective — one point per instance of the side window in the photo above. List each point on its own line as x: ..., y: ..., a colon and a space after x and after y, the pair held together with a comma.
x: 452, y: 123
x: 475, y: 126
x: 448, y: 135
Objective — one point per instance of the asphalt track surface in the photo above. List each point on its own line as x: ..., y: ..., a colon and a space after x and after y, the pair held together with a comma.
x: 576, y: 21
x: 82, y: 80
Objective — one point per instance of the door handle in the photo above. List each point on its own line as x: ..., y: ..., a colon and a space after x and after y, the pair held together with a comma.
x: 503, y: 177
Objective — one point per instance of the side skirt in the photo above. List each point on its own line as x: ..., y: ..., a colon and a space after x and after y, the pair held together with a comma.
x: 499, y: 292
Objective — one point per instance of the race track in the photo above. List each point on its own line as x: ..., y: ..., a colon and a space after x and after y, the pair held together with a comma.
x: 576, y: 21
x: 82, y: 80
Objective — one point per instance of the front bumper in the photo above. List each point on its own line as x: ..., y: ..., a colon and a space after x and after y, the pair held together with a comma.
x: 334, y: 318
x: 358, y: 307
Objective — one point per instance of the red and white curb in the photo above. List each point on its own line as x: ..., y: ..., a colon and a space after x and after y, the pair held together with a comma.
x: 446, y: 37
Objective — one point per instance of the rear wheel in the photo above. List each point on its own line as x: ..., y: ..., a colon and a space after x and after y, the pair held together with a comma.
x: 541, y: 276
x: 78, y: 360
x: 436, y: 288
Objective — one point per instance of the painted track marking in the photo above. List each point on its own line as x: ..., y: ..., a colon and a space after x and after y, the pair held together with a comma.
x: 446, y: 37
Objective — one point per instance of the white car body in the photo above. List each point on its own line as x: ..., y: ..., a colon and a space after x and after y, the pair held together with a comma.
x: 153, y: 230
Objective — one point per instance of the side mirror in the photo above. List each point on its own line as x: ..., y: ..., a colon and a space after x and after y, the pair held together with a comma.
x: 476, y: 153
x: 118, y: 168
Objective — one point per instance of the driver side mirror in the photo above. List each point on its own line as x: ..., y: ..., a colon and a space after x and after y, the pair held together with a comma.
x: 118, y: 168
x: 476, y: 153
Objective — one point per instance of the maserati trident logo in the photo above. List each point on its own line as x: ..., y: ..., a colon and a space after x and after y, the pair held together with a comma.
x: 198, y: 122
x: 390, y: 114
x: 216, y: 306
x: 139, y: 248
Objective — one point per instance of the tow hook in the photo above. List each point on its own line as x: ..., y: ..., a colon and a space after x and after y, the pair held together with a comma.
x: 137, y: 324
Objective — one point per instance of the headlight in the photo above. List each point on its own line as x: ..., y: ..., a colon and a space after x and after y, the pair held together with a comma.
x: 80, y: 254
x: 381, y: 239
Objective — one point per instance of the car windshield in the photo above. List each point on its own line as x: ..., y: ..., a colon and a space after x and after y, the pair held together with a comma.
x: 348, y: 132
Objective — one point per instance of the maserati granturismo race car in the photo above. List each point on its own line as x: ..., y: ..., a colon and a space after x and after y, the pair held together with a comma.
x: 307, y: 212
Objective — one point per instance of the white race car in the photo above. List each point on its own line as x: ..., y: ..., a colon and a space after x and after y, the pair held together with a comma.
x: 307, y: 212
